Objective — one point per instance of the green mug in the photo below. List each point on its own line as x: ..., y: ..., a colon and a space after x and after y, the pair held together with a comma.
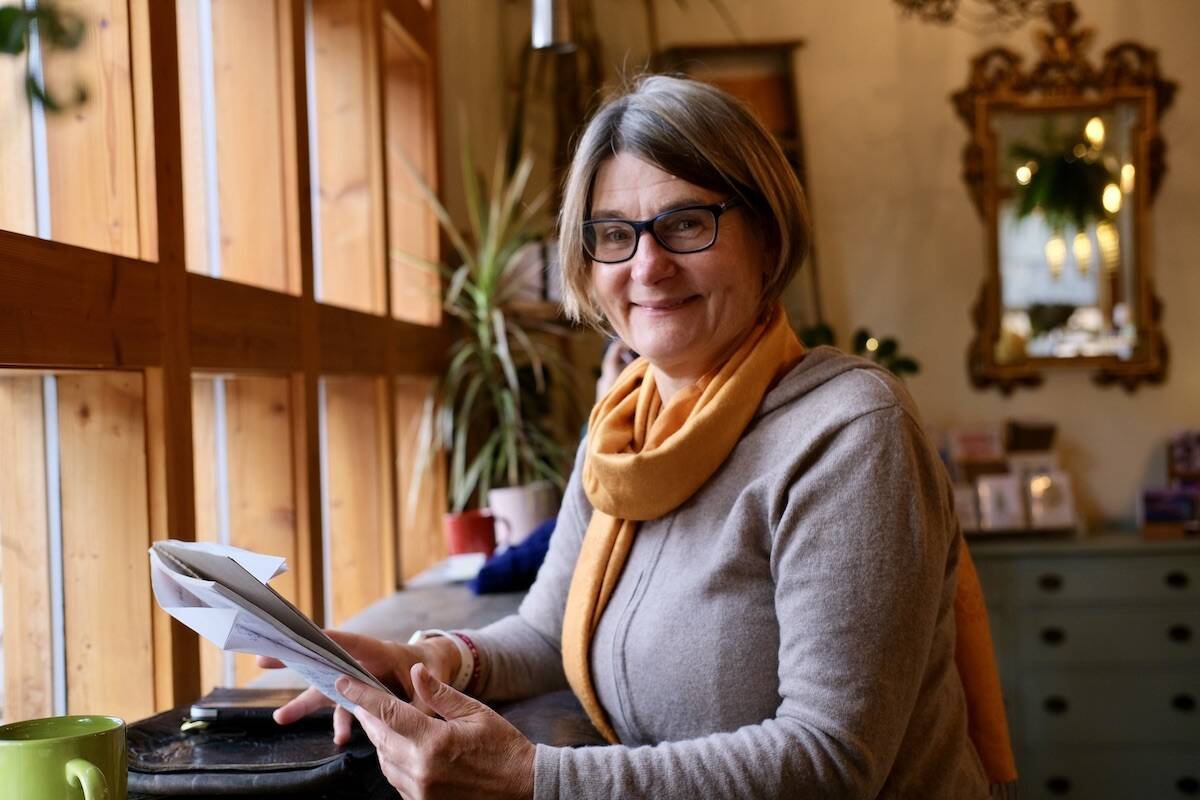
x: 64, y: 758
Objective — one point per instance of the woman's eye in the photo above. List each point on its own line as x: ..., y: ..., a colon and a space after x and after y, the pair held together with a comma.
x: 685, y: 223
x: 616, y: 235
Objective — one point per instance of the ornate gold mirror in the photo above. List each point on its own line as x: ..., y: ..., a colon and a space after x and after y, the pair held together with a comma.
x: 1063, y: 165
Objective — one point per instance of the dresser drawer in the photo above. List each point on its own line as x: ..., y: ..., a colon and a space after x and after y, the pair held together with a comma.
x: 1132, y: 773
x: 1165, y: 636
x: 1049, y: 581
x: 1110, y: 706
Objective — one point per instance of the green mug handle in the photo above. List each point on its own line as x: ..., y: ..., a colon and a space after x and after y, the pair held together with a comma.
x: 89, y: 777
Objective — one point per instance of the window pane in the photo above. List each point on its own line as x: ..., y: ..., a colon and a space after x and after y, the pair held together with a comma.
x: 358, y: 490
x: 245, y: 490
x: 238, y: 126
x: 105, y: 534
x: 25, y: 638
x: 412, y: 225
x: 422, y: 497
x: 75, y: 528
x: 84, y: 176
x: 17, y: 201
x: 348, y: 222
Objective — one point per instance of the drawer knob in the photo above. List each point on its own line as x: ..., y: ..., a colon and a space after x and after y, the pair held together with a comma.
x: 1055, y: 704
x: 1188, y: 785
x: 1179, y: 633
x: 1052, y: 582
x: 1053, y: 636
x: 1176, y: 579
x: 1057, y: 784
x: 1183, y: 702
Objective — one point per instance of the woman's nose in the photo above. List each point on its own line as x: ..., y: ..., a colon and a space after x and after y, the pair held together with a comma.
x: 652, y: 262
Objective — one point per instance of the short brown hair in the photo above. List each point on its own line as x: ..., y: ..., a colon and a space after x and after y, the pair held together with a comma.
x: 704, y: 136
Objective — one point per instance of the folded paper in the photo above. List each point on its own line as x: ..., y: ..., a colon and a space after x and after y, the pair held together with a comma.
x: 221, y: 593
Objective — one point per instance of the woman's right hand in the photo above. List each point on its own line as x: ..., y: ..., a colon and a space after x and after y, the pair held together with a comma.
x: 390, y: 662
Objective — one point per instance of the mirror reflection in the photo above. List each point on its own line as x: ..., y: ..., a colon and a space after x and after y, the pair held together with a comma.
x: 1066, y: 234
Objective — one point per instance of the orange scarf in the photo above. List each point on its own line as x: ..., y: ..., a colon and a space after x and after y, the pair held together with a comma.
x: 634, y: 443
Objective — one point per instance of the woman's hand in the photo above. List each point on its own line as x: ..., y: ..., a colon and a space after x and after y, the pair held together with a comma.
x: 471, y: 752
x: 390, y: 662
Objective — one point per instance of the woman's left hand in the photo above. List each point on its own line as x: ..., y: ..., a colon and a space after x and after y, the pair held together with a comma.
x: 471, y: 752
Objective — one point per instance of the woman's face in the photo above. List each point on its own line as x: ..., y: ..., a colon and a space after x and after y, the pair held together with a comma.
x: 686, y: 313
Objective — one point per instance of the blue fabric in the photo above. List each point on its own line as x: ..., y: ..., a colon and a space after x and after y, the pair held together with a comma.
x: 515, y: 568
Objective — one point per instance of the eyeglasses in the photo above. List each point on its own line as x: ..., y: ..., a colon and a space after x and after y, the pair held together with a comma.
x: 680, y: 230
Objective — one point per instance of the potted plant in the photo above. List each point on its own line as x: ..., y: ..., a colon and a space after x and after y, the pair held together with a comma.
x: 489, y: 414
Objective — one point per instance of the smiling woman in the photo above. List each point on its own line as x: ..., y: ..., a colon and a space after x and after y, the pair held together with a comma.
x: 756, y: 586
x: 686, y: 312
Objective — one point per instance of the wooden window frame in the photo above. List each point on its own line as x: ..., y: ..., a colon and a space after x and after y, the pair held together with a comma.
x: 64, y: 307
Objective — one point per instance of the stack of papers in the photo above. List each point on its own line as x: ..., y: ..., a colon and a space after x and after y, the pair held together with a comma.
x: 221, y: 593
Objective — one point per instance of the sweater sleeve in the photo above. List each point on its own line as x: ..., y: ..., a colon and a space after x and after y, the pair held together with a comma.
x: 522, y: 652
x: 860, y: 557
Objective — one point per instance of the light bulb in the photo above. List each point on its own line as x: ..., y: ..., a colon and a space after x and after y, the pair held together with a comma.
x: 1111, y: 198
x: 1056, y: 255
x: 1024, y: 174
x: 1081, y: 246
x: 1094, y: 131
x: 1110, y: 246
x: 1127, y: 178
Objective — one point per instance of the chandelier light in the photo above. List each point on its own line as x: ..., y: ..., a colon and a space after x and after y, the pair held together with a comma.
x: 1002, y: 14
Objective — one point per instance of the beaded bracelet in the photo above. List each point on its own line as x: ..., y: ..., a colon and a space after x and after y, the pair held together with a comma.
x: 476, y: 663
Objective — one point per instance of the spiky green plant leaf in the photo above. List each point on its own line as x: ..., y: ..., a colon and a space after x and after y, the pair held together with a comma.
x: 491, y: 405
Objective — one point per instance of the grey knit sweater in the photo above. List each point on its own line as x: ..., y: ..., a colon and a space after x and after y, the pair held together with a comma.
x: 788, y: 632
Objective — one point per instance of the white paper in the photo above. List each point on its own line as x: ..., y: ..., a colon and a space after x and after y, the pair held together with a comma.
x: 221, y: 593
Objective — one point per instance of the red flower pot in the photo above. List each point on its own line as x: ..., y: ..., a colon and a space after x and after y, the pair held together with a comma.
x: 471, y: 531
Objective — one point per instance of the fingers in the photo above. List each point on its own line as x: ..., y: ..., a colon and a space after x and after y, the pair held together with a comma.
x: 342, y: 726
x: 307, y: 702
x: 394, y: 758
x: 266, y: 662
x: 443, y: 698
x: 377, y: 731
x: 397, y: 714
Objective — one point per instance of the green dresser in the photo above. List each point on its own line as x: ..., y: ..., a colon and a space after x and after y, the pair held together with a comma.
x: 1098, y: 642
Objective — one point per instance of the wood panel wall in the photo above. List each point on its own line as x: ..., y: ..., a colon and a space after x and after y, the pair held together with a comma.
x: 118, y: 305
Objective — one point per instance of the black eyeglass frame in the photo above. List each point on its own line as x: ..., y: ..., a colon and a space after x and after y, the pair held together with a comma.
x: 642, y: 226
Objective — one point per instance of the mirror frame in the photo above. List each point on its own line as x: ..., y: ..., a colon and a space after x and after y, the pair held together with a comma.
x: 1063, y: 78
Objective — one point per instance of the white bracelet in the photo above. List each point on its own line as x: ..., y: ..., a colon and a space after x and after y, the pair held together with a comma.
x: 466, y: 664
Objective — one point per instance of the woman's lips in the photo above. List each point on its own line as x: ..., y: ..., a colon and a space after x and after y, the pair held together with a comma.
x: 657, y: 307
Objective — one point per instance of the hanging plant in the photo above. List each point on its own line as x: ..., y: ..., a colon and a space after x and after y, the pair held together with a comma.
x: 1066, y: 183
x: 56, y: 29
x: 884, y: 352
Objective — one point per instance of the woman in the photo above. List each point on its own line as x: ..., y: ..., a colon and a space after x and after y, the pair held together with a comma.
x: 753, y: 583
